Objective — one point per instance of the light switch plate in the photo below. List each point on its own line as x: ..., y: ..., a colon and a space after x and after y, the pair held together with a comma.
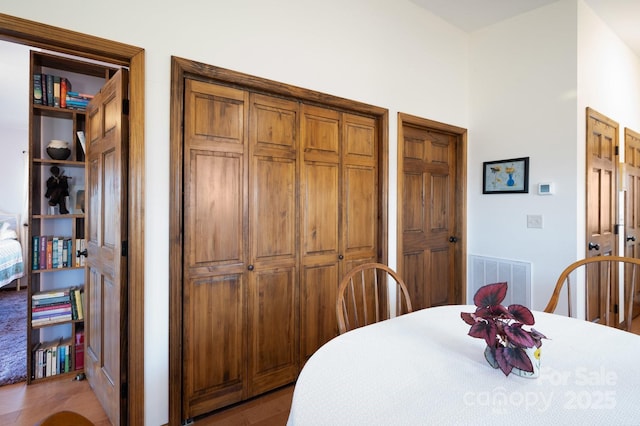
x: 534, y: 221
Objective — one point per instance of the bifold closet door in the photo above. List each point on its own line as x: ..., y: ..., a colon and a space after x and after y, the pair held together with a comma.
x: 215, y: 253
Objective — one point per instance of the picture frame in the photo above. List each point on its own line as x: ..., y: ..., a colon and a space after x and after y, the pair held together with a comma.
x: 509, y: 176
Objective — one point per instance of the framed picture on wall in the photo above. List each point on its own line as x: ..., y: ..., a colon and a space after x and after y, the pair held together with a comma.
x: 506, y: 176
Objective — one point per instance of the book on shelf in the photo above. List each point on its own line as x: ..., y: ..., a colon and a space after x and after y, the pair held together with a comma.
x: 77, y: 308
x: 65, y: 87
x: 79, y: 346
x: 56, y: 91
x: 35, y: 252
x: 37, y: 89
x: 49, y: 294
x: 49, y: 253
x: 43, y: 252
x: 49, y: 89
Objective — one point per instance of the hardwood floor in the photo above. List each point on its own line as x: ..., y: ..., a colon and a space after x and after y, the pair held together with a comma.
x: 23, y: 405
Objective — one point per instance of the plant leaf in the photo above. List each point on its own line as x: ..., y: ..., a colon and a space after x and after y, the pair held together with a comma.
x: 521, y: 314
x: 518, y: 358
x: 490, y: 295
x: 503, y: 362
x: 484, y: 330
x: 467, y: 317
x: 518, y: 336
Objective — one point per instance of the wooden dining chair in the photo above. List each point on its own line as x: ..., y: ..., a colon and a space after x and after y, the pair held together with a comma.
x: 65, y: 418
x: 599, y: 275
x: 363, y: 296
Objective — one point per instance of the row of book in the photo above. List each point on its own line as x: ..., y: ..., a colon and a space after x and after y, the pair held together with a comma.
x: 55, y: 91
x: 51, y: 252
x: 55, y: 306
x: 52, y: 358
x: 56, y: 357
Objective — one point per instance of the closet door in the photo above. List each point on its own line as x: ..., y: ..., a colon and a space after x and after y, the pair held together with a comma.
x: 273, y: 269
x: 359, y: 191
x: 215, y: 254
x: 339, y: 208
x: 320, y: 226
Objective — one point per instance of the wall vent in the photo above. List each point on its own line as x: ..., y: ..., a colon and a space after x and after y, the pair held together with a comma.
x: 487, y: 270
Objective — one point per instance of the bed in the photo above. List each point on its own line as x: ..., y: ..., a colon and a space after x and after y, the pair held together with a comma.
x: 11, y: 260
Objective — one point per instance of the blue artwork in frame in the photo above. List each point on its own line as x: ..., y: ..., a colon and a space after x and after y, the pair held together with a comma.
x: 506, y: 176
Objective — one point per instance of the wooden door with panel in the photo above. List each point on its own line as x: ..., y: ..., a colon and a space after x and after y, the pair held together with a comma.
x: 273, y: 270
x: 632, y: 209
x: 215, y: 254
x: 601, y: 183
x: 319, y: 226
x: 106, y: 233
x: 429, y: 227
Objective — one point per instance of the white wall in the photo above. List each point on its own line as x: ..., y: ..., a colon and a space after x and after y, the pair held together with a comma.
x: 14, y: 122
x: 388, y: 53
x: 531, y: 79
x: 523, y: 104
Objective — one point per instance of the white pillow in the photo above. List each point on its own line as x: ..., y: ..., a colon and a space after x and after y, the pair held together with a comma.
x: 6, y: 233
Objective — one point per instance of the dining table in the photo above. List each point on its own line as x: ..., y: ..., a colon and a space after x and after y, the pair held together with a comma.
x: 422, y: 368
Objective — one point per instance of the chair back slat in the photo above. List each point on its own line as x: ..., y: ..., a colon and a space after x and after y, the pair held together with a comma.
x: 363, y: 296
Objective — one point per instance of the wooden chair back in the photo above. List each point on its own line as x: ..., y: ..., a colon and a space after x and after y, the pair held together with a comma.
x: 599, y: 274
x: 363, y: 296
x: 66, y: 418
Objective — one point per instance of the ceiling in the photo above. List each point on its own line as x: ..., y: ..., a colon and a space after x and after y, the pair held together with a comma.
x: 622, y: 16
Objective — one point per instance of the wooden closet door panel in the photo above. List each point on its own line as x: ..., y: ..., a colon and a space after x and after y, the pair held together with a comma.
x: 215, y: 224
x: 273, y: 278
x: 359, y: 192
x: 320, y: 226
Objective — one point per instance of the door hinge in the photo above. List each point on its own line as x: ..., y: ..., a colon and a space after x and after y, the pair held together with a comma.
x: 124, y: 390
x: 617, y: 150
x: 125, y: 109
x: 615, y: 308
x: 124, y: 248
x: 616, y: 229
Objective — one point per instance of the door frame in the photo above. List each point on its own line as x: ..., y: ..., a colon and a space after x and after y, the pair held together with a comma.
x: 460, y: 133
x: 181, y: 69
x: 35, y: 34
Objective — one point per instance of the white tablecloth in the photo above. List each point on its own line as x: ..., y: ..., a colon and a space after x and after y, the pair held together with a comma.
x: 423, y: 369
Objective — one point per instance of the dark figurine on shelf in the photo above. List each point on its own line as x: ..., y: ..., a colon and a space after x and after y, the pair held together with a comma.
x: 58, y: 189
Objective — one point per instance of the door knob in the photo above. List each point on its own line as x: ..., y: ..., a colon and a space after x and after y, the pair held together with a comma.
x: 453, y: 239
x: 594, y: 246
x: 250, y: 267
x: 340, y: 257
x: 631, y: 238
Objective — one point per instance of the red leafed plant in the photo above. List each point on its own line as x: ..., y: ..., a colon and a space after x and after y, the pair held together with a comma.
x: 502, y: 328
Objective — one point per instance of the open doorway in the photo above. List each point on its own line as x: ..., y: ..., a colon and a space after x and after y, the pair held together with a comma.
x: 35, y: 34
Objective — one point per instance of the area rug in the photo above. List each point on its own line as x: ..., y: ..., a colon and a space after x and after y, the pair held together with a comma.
x: 13, y: 336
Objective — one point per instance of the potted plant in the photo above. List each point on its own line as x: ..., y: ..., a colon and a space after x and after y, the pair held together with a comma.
x: 509, y: 344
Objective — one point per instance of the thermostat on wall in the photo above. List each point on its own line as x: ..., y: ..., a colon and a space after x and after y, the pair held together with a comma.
x: 546, y: 189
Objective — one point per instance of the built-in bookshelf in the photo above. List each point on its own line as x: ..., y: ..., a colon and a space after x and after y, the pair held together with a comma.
x: 60, y: 89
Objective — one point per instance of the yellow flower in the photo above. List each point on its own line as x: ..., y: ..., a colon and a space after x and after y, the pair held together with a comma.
x: 536, y: 353
x: 510, y: 169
